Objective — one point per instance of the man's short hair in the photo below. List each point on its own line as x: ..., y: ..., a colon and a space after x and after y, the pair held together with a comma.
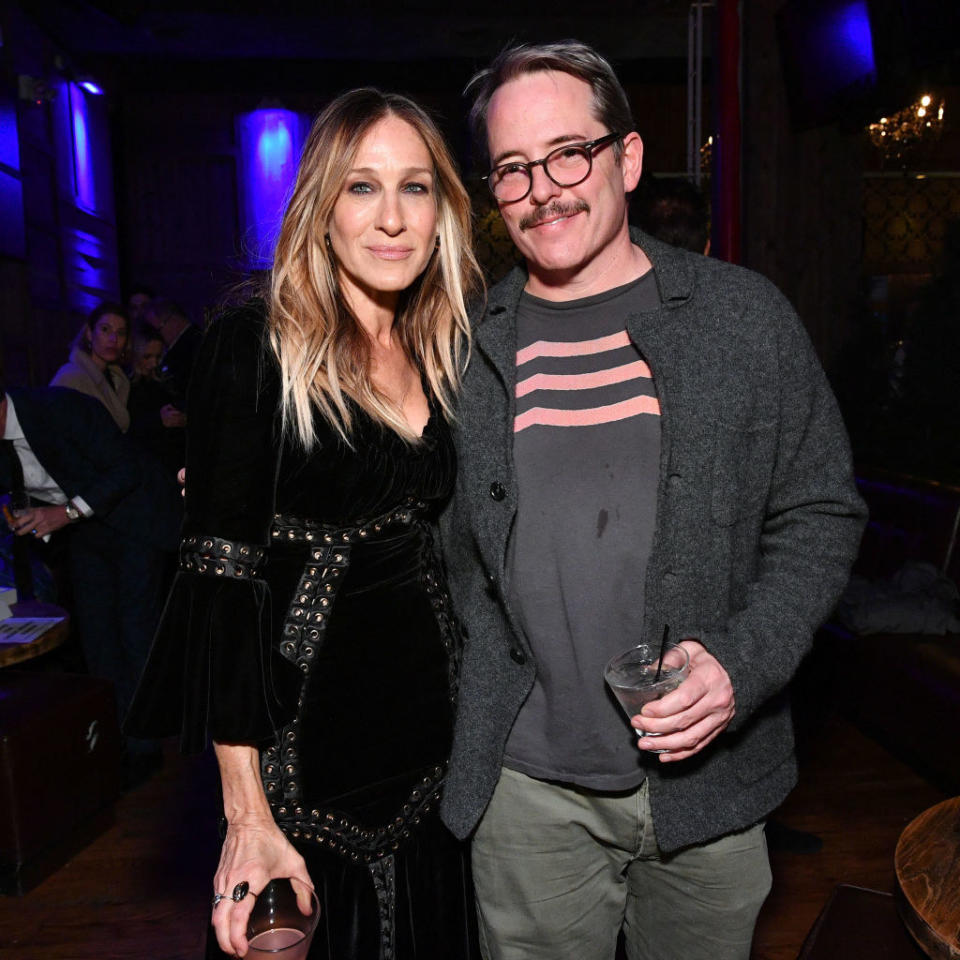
x: 610, y: 104
x: 673, y: 210
x: 162, y: 310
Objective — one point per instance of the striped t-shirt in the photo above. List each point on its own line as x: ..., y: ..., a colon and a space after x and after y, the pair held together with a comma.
x: 586, y: 452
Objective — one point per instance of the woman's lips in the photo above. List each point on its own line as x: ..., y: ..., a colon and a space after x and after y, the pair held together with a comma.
x: 391, y: 253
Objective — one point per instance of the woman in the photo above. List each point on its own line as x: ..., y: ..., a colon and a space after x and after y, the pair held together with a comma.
x: 310, y: 617
x: 155, y: 422
x: 94, y: 365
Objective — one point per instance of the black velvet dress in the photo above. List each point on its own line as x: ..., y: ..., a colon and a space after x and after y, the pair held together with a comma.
x: 310, y: 616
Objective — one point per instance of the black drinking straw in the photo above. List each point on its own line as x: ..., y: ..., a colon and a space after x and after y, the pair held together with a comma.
x: 663, y: 646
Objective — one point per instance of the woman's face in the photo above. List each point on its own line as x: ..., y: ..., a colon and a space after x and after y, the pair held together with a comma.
x: 149, y: 359
x: 108, y: 339
x: 383, y: 229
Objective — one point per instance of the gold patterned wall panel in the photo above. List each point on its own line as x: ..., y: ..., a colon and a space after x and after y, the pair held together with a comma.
x: 494, y: 248
x: 904, y: 222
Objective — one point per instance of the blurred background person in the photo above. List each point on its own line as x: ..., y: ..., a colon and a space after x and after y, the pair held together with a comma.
x: 116, y: 511
x: 673, y: 210
x: 155, y: 420
x: 181, y: 341
x: 137, y: 302
x: 94, y: 367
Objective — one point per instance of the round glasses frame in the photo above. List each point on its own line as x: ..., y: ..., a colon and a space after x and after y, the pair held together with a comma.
x: 585, y: 150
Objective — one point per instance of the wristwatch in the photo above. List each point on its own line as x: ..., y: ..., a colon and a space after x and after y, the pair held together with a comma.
x: 73, y: 511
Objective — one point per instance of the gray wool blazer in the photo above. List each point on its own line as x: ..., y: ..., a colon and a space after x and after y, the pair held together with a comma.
x: 758, y: 521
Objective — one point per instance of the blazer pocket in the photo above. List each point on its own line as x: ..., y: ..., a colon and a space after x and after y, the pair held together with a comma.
x: 742, y: 466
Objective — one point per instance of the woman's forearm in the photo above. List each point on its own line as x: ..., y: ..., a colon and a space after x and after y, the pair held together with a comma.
x: 243, y: 796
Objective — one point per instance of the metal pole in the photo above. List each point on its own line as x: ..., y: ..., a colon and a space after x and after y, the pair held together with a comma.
x: 726, y: 145
x: 698, y: 141
x: 692, y: 83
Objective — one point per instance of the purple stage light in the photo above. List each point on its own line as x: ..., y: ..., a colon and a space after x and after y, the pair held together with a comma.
x: 92, y: 87
x: 83, y: 179
x: 269, y: 142
x: 852, y: 38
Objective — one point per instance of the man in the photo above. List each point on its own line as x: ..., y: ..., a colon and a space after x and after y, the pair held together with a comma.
x: 121, y: 514
x: 181, y: 340
x: 645, y: 439
x: 137, y: 303
x: 672, y: 210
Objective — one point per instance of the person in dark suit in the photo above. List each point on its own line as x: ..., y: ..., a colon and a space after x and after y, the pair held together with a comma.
x: 182, y: 340
x: 119, y: 513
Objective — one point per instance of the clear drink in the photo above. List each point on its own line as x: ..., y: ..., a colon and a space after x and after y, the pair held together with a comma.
x: 633, y: 699
x: 632, y: 676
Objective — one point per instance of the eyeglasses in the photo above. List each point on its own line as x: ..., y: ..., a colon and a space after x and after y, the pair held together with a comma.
x: 566, y: 166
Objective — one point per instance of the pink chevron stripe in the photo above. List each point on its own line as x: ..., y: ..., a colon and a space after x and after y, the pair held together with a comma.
x: 584, y: 381
x: 582, y: 348
x: 543, y: 416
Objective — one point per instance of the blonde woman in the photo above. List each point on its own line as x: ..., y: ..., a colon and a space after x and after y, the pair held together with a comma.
x: 94, y: 364
x: 309, y: 620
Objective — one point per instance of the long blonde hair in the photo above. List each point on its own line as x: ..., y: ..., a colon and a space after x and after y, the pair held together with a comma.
x: 322, y: 350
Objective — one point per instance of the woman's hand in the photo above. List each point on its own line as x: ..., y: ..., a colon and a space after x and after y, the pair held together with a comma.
x: 255, y: 851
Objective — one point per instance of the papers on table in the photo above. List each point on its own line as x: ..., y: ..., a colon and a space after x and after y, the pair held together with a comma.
x: 25, y: 629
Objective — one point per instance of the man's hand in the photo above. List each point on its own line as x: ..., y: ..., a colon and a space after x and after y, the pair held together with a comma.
x: 170, y: 416
x: 691, y: 716
x: 40, y: 522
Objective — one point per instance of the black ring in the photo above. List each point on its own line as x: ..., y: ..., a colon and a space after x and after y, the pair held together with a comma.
x: 240, y: 891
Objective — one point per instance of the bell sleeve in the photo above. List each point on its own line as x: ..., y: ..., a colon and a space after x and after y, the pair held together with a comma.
x: 213, y: 672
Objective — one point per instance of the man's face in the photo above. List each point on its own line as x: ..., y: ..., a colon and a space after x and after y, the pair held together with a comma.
x: 561, y: 231
x: 137, y: 305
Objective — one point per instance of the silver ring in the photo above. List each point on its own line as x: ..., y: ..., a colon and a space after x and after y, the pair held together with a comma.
x: 217, y: 897
x: 240, y: 891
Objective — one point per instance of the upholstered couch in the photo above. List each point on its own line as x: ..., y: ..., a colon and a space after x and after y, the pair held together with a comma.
x: 901, y: 688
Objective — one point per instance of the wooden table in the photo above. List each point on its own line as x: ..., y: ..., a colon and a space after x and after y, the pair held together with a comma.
x: 927, y: 865
x: 50, y: 639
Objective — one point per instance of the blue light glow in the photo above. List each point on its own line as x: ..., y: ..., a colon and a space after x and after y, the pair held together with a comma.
x: 270, y: 142
x: 9, y: 140
x: 90, y: 269
x: 82, y: 151
x: 92, y: 87
x: 850, y: 40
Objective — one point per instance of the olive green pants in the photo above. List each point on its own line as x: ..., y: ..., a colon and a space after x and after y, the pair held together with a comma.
x: 559, y: 870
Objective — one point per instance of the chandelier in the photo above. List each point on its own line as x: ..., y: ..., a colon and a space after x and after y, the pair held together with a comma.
x: 898, y: 135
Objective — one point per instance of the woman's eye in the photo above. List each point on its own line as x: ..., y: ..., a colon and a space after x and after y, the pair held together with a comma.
x: 360, y: 187
x: 416, y: 188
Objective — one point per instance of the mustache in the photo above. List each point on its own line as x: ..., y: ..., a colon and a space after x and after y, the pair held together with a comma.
x: 551, y: 211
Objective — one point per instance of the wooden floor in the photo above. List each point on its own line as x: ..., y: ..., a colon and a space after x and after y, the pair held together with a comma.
x: 141, y: 890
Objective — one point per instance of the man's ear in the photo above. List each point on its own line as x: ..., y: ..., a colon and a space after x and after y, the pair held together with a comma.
x: 631, y: 161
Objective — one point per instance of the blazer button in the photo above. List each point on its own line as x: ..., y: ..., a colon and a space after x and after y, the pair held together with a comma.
x: 517, y: 655
x: 497, y: 491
